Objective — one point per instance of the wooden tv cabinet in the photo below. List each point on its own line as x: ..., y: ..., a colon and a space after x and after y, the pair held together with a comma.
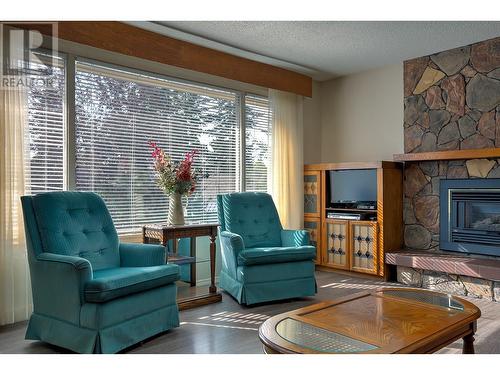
x: 353, y: 245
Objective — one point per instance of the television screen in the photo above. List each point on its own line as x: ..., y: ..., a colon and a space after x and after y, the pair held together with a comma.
x: 355, y: 185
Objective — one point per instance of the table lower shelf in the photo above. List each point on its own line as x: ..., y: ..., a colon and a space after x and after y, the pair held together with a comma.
x: 180, y: 259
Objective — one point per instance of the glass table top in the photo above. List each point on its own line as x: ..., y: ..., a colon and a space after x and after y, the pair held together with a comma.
x: 319, y: 339
x: 442, y: 300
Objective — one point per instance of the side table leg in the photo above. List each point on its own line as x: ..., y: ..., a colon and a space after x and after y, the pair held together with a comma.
x: 192, y: 253
x: 174, y: 246
x: 164, y: 242
x: 468, y: 347
x: 212, y: 288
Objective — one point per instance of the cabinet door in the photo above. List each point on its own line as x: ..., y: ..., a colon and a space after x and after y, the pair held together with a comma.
x: 313, y: 225
x: 312, y: 195
x: 336, y: 235
x: 363, y: 245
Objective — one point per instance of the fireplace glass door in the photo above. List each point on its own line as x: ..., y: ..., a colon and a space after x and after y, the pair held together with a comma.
x: 470, y: 216
x: 483, y: 216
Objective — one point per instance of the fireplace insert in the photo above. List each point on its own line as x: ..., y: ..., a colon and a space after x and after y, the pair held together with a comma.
x: 470, y: 216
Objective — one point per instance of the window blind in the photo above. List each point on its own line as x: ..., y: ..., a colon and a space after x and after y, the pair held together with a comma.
x: 119, y: 111
x: 257, y: 143
x: 45, y: 131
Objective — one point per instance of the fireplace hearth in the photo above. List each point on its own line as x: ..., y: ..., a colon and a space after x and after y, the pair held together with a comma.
x: 470, y: 216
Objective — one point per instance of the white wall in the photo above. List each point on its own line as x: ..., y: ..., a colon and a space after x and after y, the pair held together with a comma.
x: 361, y: 117
x: 312, y: 126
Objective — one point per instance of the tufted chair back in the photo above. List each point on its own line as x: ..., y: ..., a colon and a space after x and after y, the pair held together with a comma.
x: 75, y: 224
x: 251, y: 215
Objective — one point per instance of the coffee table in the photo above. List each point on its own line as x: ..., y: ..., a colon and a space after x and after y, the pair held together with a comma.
x: 389, y: 320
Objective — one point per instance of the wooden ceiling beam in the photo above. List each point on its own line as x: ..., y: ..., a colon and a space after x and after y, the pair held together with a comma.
x: 133, y: 41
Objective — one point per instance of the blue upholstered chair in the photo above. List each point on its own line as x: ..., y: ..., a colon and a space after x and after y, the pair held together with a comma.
x: 260, y: 260
x: 92, y: 294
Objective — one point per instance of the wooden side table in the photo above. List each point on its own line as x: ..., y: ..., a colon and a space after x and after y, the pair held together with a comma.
x: 162, y: 233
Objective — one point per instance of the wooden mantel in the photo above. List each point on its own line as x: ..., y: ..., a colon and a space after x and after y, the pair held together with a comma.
x: 450, y: 155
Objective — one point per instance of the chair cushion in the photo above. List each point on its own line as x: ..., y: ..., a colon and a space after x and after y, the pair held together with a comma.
x: 267, y: 255
x: 113, y: 283
x: 253, y: 216
x: 77, y: 224
x: 264, y: 273
x: 120, y: 310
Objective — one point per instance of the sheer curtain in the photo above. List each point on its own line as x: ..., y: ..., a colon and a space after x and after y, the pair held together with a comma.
x: 287, y: 157
x: 15, y: 293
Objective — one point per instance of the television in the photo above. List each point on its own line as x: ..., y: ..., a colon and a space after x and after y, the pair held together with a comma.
x: 352, y: 188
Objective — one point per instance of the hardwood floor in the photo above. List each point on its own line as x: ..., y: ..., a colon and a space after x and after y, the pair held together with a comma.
x: 227, y: 327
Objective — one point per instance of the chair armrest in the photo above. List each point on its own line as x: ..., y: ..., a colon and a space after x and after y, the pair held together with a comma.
x: 232, y: 241
x: 294, y: 238
x: 58, y: 283
x: 77, y: 263
x: 231, y: 246
x: 141, y: 255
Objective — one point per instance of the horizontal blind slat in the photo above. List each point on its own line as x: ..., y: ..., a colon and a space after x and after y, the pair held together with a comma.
x: 257, y: 143
x: 45, y: 132
x: 118, y: 112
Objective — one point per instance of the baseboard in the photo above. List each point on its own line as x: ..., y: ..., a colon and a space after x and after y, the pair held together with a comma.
x: 349, y: 273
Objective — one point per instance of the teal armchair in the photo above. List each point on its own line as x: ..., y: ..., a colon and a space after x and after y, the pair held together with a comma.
x: 91, y: 293
x: 260, y: 260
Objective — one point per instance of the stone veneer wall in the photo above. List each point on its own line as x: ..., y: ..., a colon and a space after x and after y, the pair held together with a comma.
x: 452, y: 101
x: 454, y: 284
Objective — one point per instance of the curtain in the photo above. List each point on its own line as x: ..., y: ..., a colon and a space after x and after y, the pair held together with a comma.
x: 15, y: 292
x: 287, y: 181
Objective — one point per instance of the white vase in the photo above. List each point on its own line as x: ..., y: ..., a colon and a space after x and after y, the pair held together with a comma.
x: 175, y: 211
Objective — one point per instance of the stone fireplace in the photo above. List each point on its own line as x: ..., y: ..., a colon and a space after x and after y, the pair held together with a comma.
x: 422, y: 196
x: 451, y: 103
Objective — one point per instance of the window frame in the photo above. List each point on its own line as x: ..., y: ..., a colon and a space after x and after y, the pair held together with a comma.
x: 69, y: 112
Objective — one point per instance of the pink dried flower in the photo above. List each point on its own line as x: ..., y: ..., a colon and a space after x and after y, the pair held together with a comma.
x: 178, y: 177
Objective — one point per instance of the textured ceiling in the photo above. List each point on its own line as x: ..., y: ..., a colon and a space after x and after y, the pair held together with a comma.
x: 326, y: 50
